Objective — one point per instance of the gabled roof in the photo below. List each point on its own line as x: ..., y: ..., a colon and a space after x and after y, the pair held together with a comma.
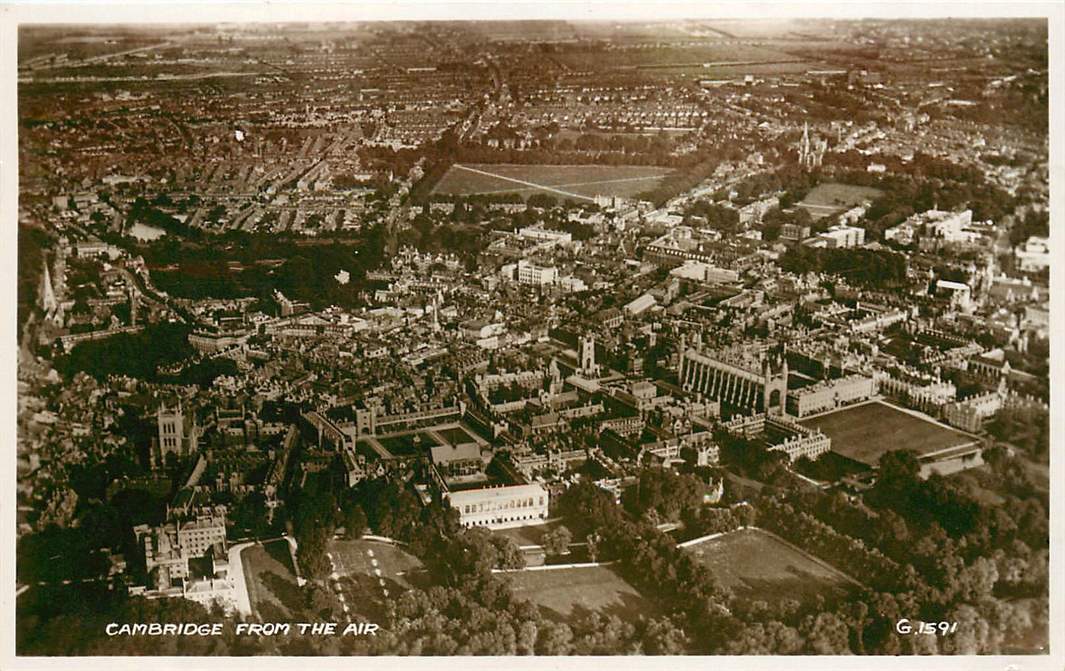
x: 443, y: 454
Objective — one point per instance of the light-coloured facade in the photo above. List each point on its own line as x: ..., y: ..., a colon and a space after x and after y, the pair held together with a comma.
x: 501, y: 507
x: 531, y: 273
x: 542, y: 234
x: 970, y: 414
x: 178, y: 432
x: 830, y: 394
x: 528, y: 463
x: 792, y: 438
x: 842, y: 237
x: 1034, y: 255
x: 960, y: 294
x: 169, y: 551
x: 927, y: 395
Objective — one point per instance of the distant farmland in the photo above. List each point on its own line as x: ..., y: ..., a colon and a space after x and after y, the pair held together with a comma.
x: 669, y: 56
x: 576, y: 182
x: 757, y: 565
x: 828, y: 199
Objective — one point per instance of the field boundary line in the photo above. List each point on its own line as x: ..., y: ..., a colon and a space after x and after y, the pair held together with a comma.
x: 805, y: 553
x: 710, y: 537
x: 555, y: 567
x: 526, y: 183
x: 873, y: 399
x: 931, y: 420
x: 380, y: 539
x: 571, y: 184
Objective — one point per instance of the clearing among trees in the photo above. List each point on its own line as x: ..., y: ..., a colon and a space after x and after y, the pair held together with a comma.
x: 756, y: 564
x: 581, y: 183
x: 831, y: 198
x: 567, y: 593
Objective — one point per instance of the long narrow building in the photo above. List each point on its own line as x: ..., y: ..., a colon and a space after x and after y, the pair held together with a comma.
x: 753, y: 381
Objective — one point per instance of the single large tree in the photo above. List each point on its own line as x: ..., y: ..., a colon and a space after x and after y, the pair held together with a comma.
x: 557, y: 540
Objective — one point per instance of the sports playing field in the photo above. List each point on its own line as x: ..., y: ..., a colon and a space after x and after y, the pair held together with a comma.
x: 576, y: 182
x: 565, y: 593
x: 758, y: 565
x: 373, y: 558
x: 368, y: 575
x: 831, y: 198
x: 866, y: 432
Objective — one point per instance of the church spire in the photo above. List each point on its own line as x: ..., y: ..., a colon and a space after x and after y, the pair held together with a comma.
x: 47, y: 295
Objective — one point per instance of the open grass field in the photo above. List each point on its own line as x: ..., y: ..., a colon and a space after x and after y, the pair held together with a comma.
x: 758, y: 565
x: 373, y: 558
x: 829, y: 198
x: 576, y: 182
x: 271, y: 580
x: 762, y: 69
x: 565, y: 594
x: 866, y: 432
x: 761, y: 28
x: 367, y: 575
x: 572, y: 135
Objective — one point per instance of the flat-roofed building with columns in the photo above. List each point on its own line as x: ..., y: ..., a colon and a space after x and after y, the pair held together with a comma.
x: 501, y: 506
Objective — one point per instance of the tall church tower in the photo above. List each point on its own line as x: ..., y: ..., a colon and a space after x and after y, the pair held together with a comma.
x: 810, y: 152
x: 436, y: 311
x: 775, y: 382
x: 682, y: 350
x: 132, y: 307
x: 587, y: 355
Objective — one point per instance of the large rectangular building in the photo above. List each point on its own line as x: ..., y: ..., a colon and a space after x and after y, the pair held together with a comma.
x: 841, y: 236
x: 830, y: 394
x: 781, y: 434
x: 744, y: 379
x: 501, y: 506
x: 528, y: 273
x: 187, y: 559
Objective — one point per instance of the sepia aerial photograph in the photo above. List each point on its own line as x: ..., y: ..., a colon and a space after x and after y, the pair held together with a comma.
x: 678, y: 337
